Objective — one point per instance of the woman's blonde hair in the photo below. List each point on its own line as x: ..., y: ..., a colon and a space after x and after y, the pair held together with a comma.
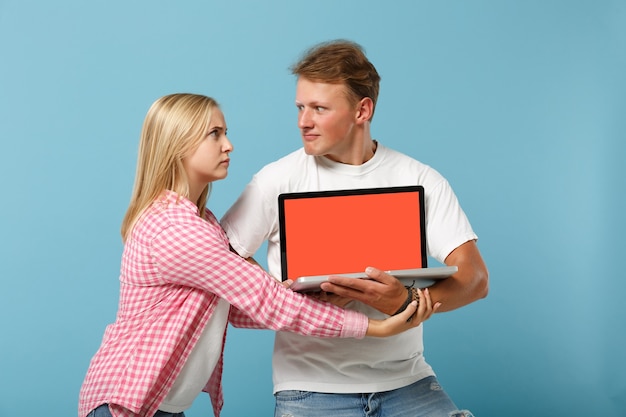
x: 173, y: 128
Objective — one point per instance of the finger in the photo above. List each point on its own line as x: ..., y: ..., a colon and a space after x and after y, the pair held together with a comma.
x: 423, y: 304
x: 354, y: 287
x: 341, y: 290
x: 337, y: 300
x: 429, y: 301
x: 318, y: 295
x: 380, y: 276
x: 287, y: 283
x: 408, y: 314
x: 376, y: 277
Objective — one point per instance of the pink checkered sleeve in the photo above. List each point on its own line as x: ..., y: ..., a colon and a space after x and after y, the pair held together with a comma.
x: 352, y: 326
x: 195, y: 253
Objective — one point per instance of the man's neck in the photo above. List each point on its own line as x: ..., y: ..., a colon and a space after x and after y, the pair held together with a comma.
x: 356, y: 153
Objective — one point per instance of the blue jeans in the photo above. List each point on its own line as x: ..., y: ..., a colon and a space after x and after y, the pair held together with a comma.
x: 103, y: 411
x: 425, y: 398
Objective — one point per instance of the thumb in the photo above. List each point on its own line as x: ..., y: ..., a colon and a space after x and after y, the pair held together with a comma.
x: 409, y: 311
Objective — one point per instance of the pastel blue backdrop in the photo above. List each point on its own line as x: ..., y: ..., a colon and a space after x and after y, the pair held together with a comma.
x: 520, y: 104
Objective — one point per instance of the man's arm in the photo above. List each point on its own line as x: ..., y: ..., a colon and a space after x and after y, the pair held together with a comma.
x: 386, y: 294
x: 469, y: 284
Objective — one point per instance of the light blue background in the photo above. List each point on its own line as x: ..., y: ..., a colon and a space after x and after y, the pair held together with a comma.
x: 520, y: 104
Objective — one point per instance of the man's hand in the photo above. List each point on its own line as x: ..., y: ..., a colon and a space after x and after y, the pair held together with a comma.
x: 404, y: 320
x: 330, y: 298
x: 382, y: 291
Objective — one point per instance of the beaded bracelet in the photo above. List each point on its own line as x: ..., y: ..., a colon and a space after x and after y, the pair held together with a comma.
x: 412, y: 295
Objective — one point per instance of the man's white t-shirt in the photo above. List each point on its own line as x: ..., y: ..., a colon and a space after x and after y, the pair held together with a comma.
x: 344, y: 365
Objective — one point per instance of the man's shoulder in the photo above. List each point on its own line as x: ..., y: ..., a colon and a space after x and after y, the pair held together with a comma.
x: 393, y: 156
x: 396, y: 154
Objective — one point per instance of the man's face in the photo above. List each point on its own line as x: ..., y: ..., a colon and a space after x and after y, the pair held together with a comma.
x: 326, y: 119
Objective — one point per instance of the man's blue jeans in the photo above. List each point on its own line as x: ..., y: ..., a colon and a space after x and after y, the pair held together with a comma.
x: 425, y: 398
x: 103, y: 411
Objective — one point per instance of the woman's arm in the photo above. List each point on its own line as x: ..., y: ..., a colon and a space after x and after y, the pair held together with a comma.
x: 197, y: 254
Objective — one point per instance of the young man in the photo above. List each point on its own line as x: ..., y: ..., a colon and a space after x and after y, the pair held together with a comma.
x: 336, y: 96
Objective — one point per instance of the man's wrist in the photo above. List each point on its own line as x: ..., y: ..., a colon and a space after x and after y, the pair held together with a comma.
x: 412, y: 295
x: 406, y: 303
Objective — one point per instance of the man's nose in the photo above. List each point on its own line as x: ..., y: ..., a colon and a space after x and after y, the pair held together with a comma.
x: 304, y: 119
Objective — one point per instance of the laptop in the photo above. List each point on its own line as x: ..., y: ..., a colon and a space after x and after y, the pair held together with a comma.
x: 341, y: 232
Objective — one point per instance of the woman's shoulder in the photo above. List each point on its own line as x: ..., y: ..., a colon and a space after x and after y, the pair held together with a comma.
x: 167, y: 210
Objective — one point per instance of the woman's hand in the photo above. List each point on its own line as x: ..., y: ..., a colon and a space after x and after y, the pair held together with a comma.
x: 414, y: 315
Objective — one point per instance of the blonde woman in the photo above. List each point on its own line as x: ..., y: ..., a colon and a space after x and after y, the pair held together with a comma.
x: 180, y: 284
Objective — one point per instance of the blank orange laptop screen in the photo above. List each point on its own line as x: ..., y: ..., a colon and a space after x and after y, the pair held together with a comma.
x: 336, y: 232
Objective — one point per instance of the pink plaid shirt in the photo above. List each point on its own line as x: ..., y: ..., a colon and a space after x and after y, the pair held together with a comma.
x: 175, y: 265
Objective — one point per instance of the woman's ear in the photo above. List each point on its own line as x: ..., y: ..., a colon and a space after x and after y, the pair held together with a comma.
x: 365, y: 110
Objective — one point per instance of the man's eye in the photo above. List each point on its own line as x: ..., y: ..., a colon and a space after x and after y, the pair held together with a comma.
x: 318, y: 108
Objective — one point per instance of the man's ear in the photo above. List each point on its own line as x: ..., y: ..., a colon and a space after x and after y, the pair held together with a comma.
x: 365, y: 110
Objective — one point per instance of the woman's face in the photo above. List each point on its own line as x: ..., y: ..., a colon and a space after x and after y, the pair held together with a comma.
x: 209, y: 162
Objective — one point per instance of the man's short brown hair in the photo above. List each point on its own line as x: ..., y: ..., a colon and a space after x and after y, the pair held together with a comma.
x: 340, y: 62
